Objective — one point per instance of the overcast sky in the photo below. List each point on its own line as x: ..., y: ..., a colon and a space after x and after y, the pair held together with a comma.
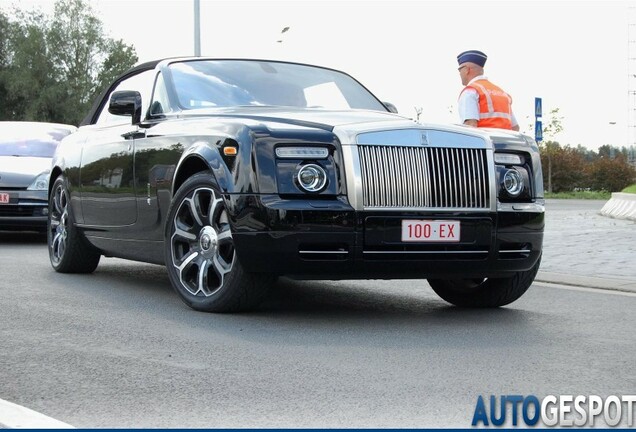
x: 572, y: 54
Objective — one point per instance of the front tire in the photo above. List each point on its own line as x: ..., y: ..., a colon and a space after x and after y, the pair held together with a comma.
x: 69, y: 251
x: 199, y: 249
x: 484, y: 293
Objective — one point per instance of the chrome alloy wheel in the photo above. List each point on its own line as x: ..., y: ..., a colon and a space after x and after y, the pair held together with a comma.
x: 201, y: 243
x: 59, y: 224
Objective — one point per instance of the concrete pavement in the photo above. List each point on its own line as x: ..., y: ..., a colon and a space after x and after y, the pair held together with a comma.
x: 583, y: 247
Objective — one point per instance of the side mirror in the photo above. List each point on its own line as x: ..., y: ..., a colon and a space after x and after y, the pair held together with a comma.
x: 390, y: 107
x: 126, y: 102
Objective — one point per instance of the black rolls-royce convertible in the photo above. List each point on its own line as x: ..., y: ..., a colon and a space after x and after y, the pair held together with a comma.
x: 233, y: 172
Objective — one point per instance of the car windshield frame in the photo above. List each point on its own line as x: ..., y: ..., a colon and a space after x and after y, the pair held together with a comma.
x: 228, y: 83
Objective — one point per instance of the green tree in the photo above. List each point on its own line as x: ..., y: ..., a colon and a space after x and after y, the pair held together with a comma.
x: 4, y: 31
x: 588, y: 155
x: 28, y: 76
x: 612, y: 175
x: 117, y: 59
x: 84, y: 57
x: 4, y: 60
x: 56, y: 65
x: 568, y: 169
x: 548, y: 148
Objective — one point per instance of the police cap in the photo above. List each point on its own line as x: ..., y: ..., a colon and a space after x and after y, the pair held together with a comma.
x: 473, y: 56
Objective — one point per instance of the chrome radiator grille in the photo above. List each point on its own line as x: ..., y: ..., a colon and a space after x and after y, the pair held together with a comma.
x: 424, y: 177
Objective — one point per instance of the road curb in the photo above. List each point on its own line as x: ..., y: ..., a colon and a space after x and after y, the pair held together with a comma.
x: 613, y: 284
x: 620, y: 206
x: 13, y: 416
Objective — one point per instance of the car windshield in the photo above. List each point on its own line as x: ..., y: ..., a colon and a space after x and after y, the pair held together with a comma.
x: 227, y: 83
x: 18, y: 140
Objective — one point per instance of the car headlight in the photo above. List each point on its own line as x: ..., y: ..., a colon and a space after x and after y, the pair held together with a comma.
x: 513, y: 183
x: 311, y: 177
x: 513, y: 174
x: 508, y: 159
x: 41, y: 182
x: 302, y: 152
x: 306, y: 171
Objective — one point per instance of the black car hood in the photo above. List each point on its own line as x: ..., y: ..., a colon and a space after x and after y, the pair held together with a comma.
x: 346, y: 124
x: 315, y: 118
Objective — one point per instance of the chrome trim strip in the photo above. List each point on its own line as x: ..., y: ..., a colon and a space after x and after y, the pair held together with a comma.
x: 516, y: 251
x: 432, y: 209
x: 353, y: 176
x: 469, y: 169
x: 323, y: 252
x: 535, y: 207
x: 490, y: 165
x: 425, y: 252
x: 413, y: 137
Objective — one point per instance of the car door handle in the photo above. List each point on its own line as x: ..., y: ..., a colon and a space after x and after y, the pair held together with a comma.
x: 138, y: 134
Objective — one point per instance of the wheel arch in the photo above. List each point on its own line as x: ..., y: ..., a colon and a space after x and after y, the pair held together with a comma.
x: 55, y: 173
x: 202, y: 157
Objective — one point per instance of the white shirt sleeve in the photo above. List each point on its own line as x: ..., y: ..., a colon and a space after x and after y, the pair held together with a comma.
x: 468, y: 105
x: 514, y: 120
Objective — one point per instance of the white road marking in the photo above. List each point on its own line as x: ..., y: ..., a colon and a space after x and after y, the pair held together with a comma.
x: 14, y: 416
x: 586, y: 289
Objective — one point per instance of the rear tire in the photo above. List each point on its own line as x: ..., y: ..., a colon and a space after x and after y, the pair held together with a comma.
x: 199, y: 249
x: 69, y: 251
x: 484, y: 293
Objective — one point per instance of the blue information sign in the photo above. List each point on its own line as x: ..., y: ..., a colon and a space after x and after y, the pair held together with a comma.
x: 538, y: 131
x: 538, y: 109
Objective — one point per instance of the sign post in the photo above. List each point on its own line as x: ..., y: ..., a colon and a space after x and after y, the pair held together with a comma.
x: 538, y: 113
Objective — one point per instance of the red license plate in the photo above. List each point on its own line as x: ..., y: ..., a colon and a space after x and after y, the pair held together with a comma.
x: 446, y: 231
x: 4, y: 198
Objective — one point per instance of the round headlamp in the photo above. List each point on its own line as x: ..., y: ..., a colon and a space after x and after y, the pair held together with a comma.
x: 513, y: 182
x: 311, y: 177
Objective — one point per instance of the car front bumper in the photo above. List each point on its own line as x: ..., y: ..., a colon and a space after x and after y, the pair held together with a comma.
x: 25, y: 210
x: 330, y: 240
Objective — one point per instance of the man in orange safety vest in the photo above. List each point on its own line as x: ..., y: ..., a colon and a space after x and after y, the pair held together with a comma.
x: 481, y: 103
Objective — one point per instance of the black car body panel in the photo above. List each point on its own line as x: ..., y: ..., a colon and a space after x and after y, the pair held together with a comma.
x: 380, y: 169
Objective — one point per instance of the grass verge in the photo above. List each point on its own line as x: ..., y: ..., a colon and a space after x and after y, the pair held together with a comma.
x: 630, y: 189
x: 591, y: 195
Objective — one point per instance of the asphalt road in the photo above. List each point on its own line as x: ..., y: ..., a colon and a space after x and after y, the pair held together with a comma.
x: 580, y: 242
x: 119, y: 349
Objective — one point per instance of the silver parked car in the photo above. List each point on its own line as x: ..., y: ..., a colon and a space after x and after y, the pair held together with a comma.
x: 26, y: 150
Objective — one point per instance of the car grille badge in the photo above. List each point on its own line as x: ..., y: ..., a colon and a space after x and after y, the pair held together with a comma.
x: 424, y: 138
